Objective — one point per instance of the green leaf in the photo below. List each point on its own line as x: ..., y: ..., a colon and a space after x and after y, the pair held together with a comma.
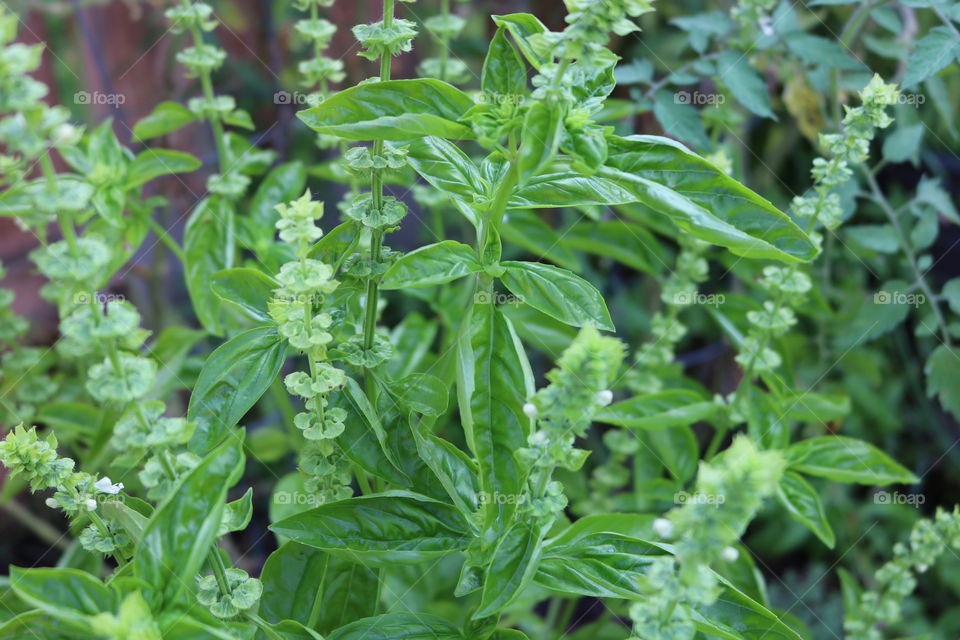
x: 600, y: 565
x: 524, y: 228
x: 295, y: 574
x: 737, y: 616
x: 283, y: 184
x: 381, y: 529
x: 676, y: 448
x: 420, y: 392
x: 818, y: 50
x: 165, y: 118
x: 504, y: 73
x: 455, y: 470
x: 170, y: 350
x: 446, y: 167
x: 904, y: 144
x: 237, y: 514
x: 521, y: 26
x: 661, y: 410
x: 882, y: 238
x: 932, y: 53
x: 625, y: 242
x: 845, y: 459
x: 432, y: 265
x: 153, y: 163
x: 204, y: 240
x: 744, y: 83
x: 817, y: 408
x: 723, y: 211
x: 511, y: 569
x: 246, y: 289
x: 802, y: 502
x: 69, y: 595
x: 185, y: 525
x: 364, y: 439
x: 233, y: 378
x: 559, y: 293
x: 540, y: 138
x: 392, y: 110
x: 493, y: 382
x: 943, y: 372
x: 398, y: 626
x: 680, y: 119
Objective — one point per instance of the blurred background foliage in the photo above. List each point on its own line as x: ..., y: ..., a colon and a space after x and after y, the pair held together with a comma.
x: 750, y: 85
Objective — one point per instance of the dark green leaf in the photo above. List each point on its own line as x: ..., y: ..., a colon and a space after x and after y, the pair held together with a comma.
x: 398, y: 626
x: 381, y: 529
x: 845, y: 459
x: 511, y: 569
x: 802, y: 502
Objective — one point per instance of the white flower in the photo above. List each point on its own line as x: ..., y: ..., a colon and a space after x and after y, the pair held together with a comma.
x: 91, y: 504
x: 663, y: 527
x: 103, y: 485
x: 52, y: 503
x: 605, y: 397
x: 729, y: 554
x: 530, y: 410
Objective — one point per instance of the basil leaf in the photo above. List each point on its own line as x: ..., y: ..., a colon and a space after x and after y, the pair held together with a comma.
x: 246, y: 289
x: 297, y: 579
x: 511, y: 568
x: 203, y: 242
x: 802, y: 502
x: 661, y: 410
x: 521, y: 26
x: 504, y: 75
x: 493, y: 382
x: 381, y: 529
x: 165, y: 118
x: 432, y: 265
x: 69, y: 595
x: 364, y: 439
x: 559, y: 293
x: 398, y: 626
x: 283, y: 184
x: 392, y: 110
x: 845, y: 459
x: 178, y: 537
x: 541, y: 134
x: 446, y: 167
x: 154, y: 163
x: 233, y: 378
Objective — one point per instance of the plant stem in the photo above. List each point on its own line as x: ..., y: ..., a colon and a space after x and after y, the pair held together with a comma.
x: 376, y: 238
x: 908, y: 251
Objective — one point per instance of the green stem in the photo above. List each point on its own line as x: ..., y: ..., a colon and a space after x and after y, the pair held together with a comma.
x: 908, y: 251
x: 165, y: 237
x: 318, y: 596
x: 219, y: 570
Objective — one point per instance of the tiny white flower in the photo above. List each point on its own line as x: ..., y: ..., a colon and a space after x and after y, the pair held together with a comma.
x: 605, y: 397
x: 103, y: 485
x: 729, y: 554
x: 766, y: 25
x: 663, y: 528
x: 538, y: 438
x: 922, y: 568
x: 52, y: 503
x: 530, y: 410
x: 91, y: 504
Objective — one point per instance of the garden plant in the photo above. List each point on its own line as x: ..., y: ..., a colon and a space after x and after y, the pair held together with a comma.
x: 617, y: 319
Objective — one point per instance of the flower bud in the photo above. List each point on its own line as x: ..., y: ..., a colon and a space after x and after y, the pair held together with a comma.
x: 729, y: 554
x: 530, y: 410
x: 605, y: 397
x: 663, y: 528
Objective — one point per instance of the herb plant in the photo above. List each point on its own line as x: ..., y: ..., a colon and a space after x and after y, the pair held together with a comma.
x: 451, y: 434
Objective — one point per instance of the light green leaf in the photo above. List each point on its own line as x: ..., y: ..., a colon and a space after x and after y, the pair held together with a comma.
x: 165, y: 118
x: 248, y: 290
x: 559, y: 293
x: 661, y: 410
x: 154, y: 163
x: 392, y: 110
x: 432, y: 265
